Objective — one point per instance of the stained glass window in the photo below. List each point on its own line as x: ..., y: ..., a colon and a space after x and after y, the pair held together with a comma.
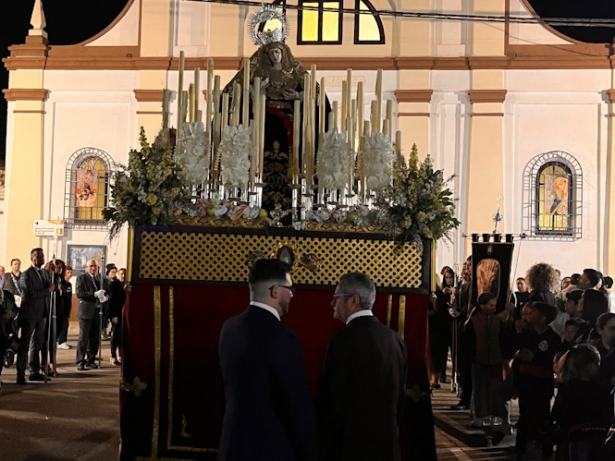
x: 553, y: 196
x: 87, y: 188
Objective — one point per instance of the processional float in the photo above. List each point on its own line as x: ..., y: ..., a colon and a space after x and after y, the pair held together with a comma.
x: 188, y: 276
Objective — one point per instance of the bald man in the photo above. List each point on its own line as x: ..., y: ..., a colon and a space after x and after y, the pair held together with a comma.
x: 91, y: 296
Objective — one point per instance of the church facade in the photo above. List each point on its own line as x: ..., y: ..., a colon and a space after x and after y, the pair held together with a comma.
x: 519, y: 114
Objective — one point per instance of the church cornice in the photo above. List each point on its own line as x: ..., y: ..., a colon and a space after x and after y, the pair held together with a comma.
x: 486, y: 96
x: 26, y: 94
x: 413, y: 95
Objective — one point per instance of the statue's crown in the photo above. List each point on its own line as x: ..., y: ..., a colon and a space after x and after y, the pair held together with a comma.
x: 262, y: 16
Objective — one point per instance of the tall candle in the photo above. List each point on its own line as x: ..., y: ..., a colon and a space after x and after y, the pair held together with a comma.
x: 322, y: 108
x: 348, y: 96
x: 225, y: 110
x: 191, y: 103
x: 398, y: 143
x: 180, y: 89
x: 297, y: 136
x: 261, y: 119
x: 389, y: 117
x: 216, y: 112
x: 335, y: 114
x: 197, y: 95
x: 210, y: 98
x: 376, y: 127
x: 236, y: 104
x: 360, y: 108
x: 256, y: 113
x: 245, y: 115
x: 165, y: 110
x: 344, y: 109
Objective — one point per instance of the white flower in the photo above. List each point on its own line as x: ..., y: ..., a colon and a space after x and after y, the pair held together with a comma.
x: 194, y: 155
x: 335, y: 160
x: 251, y: 212
x: 220, y: 212
x: 378, y: 155
x: 235, y: 148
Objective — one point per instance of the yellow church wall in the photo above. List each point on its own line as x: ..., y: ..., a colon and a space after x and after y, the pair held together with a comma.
x: 156, y: 37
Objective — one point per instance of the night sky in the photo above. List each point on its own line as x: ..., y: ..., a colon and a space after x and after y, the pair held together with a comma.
x: 73, y: 21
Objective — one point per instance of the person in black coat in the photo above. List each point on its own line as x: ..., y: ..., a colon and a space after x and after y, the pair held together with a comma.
x: 36, y: 287
x: 362, y: 388
x: 66, y: 304
x: 116, y: 305
x: 269, y: 413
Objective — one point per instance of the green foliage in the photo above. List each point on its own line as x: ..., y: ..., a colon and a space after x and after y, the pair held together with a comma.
x: 149, y: 190
x: 420, y: 206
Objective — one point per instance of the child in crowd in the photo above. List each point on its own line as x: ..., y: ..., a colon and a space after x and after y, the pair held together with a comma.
x: 570, y: 334
x: 483, y: 341
x: 583, y: 409
x: 535, y: 376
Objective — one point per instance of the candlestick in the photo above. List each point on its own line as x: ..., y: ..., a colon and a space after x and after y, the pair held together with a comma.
x: 216, y: 114
x: 322, y: 107
x: 210, y: 98
x: 191, y: 111
x: 245, y: 115
x: 344, y: 108
x: 297, y: 136
x: 261, y: 120
x: 360, y: 108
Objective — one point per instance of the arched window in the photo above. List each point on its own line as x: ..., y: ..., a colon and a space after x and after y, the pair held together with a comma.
x: 553, y: 197
x: 87, y: 188
x: 368, y: 28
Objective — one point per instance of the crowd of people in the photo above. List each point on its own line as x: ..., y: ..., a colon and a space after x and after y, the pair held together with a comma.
x: 35, y: 308
x: 550, y: 346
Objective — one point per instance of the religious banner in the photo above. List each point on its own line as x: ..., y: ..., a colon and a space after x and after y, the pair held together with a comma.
x: 491, y: 267
x: 86, y: 188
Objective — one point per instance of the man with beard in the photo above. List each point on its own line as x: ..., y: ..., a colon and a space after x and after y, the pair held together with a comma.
x: 269, y: 413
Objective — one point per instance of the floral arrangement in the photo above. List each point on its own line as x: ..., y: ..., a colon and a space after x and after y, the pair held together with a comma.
x: 149, y: 190
x: 235, y: 156
x: 377, y: 161
x: 418, y: 204
x: 335, y: 160
x: 226, y: 209
x: 194, y: 154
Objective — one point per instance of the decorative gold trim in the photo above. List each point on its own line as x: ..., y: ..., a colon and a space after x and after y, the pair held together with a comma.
x: 413, y: 95
x: 157, y: 356
x: 343, y: 227
x: 149, y: 95
x: 413, y: 114
x: 434, y: 278
x: 486, y: 96
x: 136, y: 387
x: 130, y: 250
x: 214, y: 222
x: 401, y: 324
x: 25, y: 94
x: 389, y: 309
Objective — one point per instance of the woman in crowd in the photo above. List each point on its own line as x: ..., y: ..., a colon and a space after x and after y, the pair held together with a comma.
x: 116, y: 304
x: 440, y: 324
x: 583, y: 409
x: 483, y: 339
x: 65, y: 305
x: 541, y: 279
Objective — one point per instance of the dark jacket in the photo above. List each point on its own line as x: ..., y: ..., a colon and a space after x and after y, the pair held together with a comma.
x: 118, y: 298
x: 361, y: 393
x: 88, y: 303
x: 269, y: 413
x: 35, y: 293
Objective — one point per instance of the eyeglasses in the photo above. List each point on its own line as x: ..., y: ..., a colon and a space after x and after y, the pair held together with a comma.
x: 340, y: 295
x: 290, y: 288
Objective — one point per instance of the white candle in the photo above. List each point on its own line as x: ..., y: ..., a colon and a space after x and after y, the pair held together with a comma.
x: 245, y: 115
x: 297, y: 136
x: 322, y: 108
x: 180, y: 89
x: 210, y: 97
x: 197, y: 86
x: 376, y: 126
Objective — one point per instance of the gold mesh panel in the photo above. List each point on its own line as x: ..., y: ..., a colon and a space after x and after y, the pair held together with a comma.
x: 213, y: 257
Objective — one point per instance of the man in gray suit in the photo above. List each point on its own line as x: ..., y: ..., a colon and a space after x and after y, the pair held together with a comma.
x: 362, y: 387
x: 91, y: 298
x: 36, y: 287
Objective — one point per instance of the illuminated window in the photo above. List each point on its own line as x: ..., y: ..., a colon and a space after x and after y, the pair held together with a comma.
x: 87, y: 188
x: 368, y: 28
x: 318, y: 25
x: 553, y: 196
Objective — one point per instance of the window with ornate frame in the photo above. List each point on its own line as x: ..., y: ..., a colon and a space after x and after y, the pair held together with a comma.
x: 553, y: 197
x: 368, y: 28
x: 87, y: 188
x: 317, y: 26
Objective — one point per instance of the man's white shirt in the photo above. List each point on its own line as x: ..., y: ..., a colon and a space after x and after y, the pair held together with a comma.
x: 361, y: 313
x: 266, y: 307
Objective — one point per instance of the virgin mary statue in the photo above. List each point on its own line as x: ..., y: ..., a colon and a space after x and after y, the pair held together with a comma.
x: 282, y: 79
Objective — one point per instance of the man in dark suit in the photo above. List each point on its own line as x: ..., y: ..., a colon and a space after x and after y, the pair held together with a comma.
x: 91, y: 297
x: 362, y: 387
x: 269, y: 413
x: 36, y: 287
